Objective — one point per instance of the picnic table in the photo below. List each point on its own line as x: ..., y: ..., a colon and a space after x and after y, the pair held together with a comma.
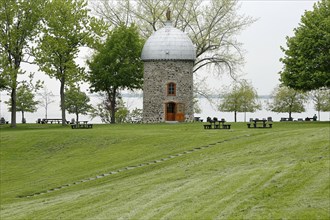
x: 50, y: 120
x: 215, y: 124
x: 286, y: 119
x: 259, y: 123
x: 81, y: 124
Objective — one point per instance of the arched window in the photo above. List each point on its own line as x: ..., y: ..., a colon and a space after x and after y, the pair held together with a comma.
x: 171, y: 89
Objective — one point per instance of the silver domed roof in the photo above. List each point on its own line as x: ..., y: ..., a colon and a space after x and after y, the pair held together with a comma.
x: 168, y: 43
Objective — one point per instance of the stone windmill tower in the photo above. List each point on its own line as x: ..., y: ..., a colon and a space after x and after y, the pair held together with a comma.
x: 168, y: 57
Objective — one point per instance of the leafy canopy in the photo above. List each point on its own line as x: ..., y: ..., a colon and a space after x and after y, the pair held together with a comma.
x: 241, y: 98
x: 117, y: 64
x: 288, y: 100
x: 25, y: 101
x: 321, y: 99
x: 307, y: 56
x: 20, y: 23
x: 67, y: 27
x: 64, y: 31
x: 77, y: 102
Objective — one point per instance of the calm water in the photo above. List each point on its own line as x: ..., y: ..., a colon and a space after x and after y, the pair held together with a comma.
x: 208, y: 109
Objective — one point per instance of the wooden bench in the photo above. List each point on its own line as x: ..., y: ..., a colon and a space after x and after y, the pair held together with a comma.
x: 226, y: 126
x: 264, y: 126
x: 86, y: 126
x: 51, y: 120
x: 207, y: 126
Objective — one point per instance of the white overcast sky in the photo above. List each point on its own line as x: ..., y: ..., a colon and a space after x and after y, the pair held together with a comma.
x: 262, y: 40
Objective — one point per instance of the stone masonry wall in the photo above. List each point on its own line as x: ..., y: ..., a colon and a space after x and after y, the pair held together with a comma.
x: 157, y: 74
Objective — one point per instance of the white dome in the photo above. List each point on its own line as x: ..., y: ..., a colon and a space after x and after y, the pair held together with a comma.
x: 168, y: 43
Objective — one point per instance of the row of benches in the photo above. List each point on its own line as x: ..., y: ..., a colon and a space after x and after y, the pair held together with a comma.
x: 263, y: 126
x: 86, y: 126
x: 227, y: 126
x: 224, y: 126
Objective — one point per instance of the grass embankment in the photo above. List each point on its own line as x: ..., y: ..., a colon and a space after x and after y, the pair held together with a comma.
x: 171, y: 171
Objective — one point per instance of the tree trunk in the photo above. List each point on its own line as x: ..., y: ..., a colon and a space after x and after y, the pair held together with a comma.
x: 113, y: 106
x: 46, y: 108
x: 290, y: 116
x: 23, y: 117
x: 13, y: 107
x: 63, y: 101
x: 235, y: 116
x: 77, y: 116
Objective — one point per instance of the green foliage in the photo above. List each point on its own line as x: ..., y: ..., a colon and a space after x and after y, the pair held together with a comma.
x: 307, y: 57
x: 288, y: 100
x: 241, y: 98
x: 20, y: 23
x: 66, y: 28
x: 278, y: 173
x: 3, y: 82
x: 64, y: 31
x: 321, y: 99
x: 122, y: 112
x: 76, y: 102
x: 117, y: 64
x: 104, y: 110
x: 25, y: 100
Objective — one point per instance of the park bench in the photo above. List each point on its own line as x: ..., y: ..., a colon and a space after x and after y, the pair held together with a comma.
x: 81, y: 125
x: 50, y: 120
x: 226, y: 126
x: 216, y: 124
x: 286, y: 119
x: 208, y: 126
x: 262, y: 123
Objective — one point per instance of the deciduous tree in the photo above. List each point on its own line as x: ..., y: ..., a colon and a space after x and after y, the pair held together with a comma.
x: 104, y: 109
x: 19, y: 21
x: 77, y: 102
x: 321, y: 99
x: 46, y: 99
x: 66, y: 28
x: 241, y: 98
x: 25, y: 100
x: 212, y: 25
x: 117, y: 64
x: 122, y: 112
x: 307, y: 56
x: 285, y: 99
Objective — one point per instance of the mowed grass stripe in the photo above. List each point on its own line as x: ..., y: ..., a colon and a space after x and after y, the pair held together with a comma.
x: 127, y: 168
x: 279, y: 173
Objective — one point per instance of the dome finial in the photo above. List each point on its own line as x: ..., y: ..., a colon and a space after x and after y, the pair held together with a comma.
x: 168, y: 14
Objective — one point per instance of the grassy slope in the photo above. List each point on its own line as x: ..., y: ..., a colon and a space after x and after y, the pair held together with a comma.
x: 265, y: 173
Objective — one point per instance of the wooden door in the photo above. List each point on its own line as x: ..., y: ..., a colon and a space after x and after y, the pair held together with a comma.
x: 179, y: 116
x: 170, y: 111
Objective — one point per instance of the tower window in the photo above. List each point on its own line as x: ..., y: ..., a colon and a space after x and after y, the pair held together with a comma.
x: 171, y: 89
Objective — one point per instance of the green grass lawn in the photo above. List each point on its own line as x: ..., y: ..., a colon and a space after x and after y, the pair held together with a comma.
x: 165, y: 171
